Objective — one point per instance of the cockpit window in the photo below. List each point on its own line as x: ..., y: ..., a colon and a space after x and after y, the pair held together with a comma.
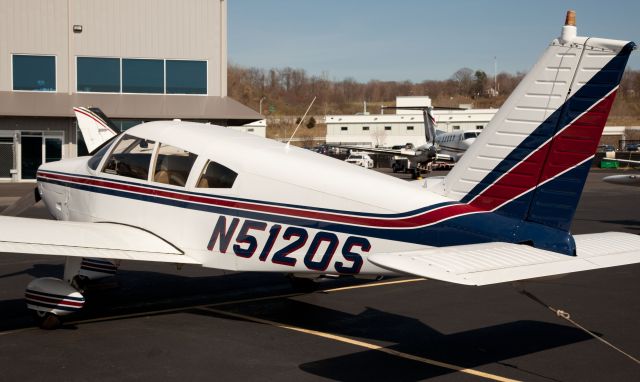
x: 173, y: 165
x: 470, y: 134
x: 216, y: 175
x: 99, y: 153
x: 131, y: 158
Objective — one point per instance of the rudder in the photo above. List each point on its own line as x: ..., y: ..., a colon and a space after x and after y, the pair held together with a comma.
x: 532, y: 160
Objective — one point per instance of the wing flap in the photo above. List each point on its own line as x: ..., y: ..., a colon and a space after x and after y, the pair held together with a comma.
x: 81, y: 239
x: 491, y: 263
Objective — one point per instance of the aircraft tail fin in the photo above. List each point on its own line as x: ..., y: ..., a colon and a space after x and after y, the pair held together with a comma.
x: 95, y: 126
x: 532, y: 159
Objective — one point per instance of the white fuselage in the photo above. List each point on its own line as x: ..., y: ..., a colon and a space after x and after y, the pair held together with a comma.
x: 456, y: 143
x: 289, y: 210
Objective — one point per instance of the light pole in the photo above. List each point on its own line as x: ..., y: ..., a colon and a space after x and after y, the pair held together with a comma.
x: 262, y: 99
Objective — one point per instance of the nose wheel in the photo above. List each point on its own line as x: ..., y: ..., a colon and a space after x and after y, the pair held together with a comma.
x: 49, y: 299
x: 46, y: 320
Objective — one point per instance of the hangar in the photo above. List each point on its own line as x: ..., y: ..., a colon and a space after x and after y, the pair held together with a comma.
x: 405, y: 126
x: 136, y: 60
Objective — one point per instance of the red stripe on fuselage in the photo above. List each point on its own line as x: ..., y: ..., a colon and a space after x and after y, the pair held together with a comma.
x: 425, y: 218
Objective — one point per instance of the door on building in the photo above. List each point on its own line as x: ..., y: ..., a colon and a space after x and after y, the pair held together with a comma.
x: 6, y: 157
x: 37, y: 148
x: 30, y: 154
x: 52, y: 148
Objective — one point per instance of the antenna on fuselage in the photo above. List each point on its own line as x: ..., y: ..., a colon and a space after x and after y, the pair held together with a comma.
x: 301, y: 119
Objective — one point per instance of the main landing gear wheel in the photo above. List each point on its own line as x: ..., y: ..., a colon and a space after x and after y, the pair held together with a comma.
x: 46, y: 320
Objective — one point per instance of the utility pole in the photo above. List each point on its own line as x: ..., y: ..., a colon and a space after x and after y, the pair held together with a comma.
x: 261, y: 99
x: 495, y: 74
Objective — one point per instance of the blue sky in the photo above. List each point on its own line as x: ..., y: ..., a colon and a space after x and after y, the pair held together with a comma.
x: 411, y: 39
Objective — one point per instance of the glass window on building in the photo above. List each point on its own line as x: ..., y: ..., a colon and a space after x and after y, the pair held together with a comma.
x: 186, y: 77
x: 126, y: 124
x: 387, y: 128
x: 142, y: 76
x: 96, y: 74
x: 35, y: 73
x: 365, y: 128
x: 344, y: 128
x: 409, y: 128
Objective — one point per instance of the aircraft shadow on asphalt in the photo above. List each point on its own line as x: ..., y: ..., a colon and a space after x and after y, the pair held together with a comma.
x: 629, y: 224
x: 144, y: 293
x: 472, y: 348
x: 37, y: 271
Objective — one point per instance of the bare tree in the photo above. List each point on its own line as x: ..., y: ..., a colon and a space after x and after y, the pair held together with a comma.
x: 379, y: 137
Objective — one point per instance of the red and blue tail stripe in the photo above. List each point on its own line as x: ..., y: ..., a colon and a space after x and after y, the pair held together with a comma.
x: 542, y: 178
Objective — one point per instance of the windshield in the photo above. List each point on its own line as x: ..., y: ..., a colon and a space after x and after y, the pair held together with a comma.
x: 99, y: 152
x: 470, y: 134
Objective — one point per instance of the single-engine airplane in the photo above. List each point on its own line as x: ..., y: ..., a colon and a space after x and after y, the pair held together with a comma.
x: 185, y: 193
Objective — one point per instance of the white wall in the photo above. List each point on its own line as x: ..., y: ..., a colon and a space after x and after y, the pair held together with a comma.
x: 377, y: 135
x: 170, y: 29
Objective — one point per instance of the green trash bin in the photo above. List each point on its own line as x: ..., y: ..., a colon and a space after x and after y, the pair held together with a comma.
x: 607, y: 163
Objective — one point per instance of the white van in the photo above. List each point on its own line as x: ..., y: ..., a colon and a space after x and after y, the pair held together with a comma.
x: 360, y: 159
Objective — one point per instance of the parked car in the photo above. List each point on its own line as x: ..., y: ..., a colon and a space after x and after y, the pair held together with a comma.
x: 605, y: 148
x: 632, y: 147
x: 360, y: 159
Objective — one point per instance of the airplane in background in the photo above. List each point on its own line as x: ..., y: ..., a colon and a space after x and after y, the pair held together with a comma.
x: 185, y: 193
x: 440, y: 145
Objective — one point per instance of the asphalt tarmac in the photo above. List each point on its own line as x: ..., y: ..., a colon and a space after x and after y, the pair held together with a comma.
x: 161, y: 323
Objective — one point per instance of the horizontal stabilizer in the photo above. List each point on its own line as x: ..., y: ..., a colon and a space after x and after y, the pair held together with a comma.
x: 492, y: 263
x: 79, y: 239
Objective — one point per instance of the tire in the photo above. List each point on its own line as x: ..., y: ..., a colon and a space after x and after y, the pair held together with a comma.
x: 46, y: 320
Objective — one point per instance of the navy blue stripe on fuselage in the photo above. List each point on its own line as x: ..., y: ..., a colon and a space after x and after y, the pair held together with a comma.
x: 435, y: 235
x: 465, y: 229
x: 236, y: 199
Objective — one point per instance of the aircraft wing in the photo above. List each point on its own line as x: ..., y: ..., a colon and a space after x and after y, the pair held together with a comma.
x: 444, y: 157
x: 407, y: 153
x: 492, y: 263
x: 402, y: 152
x: 79, y: 239
x: 636, y: 162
